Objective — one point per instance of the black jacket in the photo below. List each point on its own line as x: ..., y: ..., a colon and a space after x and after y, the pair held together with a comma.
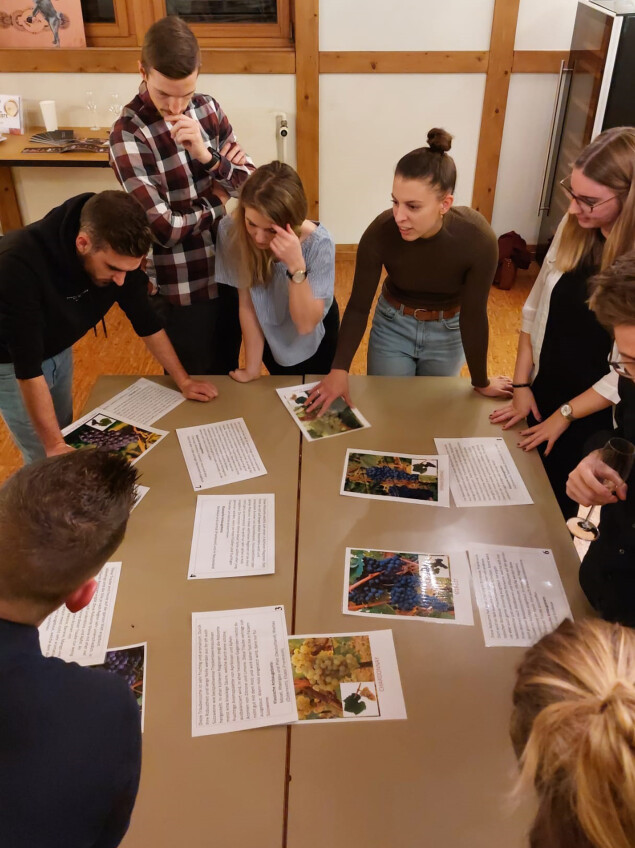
x: 48, y: 301
x: 70, y: 749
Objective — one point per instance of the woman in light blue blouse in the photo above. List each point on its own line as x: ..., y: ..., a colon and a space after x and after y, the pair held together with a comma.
x: 284, y: 268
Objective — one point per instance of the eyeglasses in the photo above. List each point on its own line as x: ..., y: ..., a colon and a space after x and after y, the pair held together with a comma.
x: 583, y: 202
x: 620, y: 368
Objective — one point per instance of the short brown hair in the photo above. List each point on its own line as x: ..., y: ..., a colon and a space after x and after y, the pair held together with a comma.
x: 432, y: 164
x: 171, y: 48
x: 60, y: 520
x: 573, y: 727
x: 613, y: 293
x: 117, y: 220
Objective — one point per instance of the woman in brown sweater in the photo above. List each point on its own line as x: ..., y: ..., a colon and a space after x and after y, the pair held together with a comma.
x: 440, y: 262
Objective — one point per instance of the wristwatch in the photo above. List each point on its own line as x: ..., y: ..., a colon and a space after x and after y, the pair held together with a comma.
x: 297, y: 277
x: 216, y: 157
x: 566, y: 410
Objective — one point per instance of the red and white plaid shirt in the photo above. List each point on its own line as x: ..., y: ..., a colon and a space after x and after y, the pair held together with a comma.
x: 176, y: 191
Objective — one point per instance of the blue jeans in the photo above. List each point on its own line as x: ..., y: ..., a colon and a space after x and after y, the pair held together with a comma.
x: 401, y: 346
x: 58, y: 373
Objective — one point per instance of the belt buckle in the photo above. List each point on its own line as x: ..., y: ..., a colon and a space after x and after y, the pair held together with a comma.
x: 420, y: 309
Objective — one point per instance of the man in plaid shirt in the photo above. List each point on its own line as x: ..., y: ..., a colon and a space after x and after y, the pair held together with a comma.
x: 176, y: 152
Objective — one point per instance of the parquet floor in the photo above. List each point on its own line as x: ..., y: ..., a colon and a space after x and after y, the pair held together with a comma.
x: 123, y: 353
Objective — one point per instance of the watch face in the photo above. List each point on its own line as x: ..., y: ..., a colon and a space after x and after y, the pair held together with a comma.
x: 565, y: 409
x: 299, y: 276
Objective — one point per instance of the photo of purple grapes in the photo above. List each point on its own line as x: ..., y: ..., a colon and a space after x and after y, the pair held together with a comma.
x: 128, y: 663
x: 110, y: 434
x: 392, y: 476
x: 400, y: 584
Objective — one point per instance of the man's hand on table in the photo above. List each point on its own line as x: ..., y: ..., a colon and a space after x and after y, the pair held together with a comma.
x: 201, y: 390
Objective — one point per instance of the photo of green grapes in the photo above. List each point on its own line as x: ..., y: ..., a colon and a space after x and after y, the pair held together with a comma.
x: 322, y: 666
x: 339, y: 418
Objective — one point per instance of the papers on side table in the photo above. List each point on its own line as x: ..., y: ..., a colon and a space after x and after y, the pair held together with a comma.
x: 234, y: 536
x: 220, y: 453
x: 483, y: 473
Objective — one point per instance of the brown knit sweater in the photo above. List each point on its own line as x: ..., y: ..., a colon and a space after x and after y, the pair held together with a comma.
x: 454, y: 267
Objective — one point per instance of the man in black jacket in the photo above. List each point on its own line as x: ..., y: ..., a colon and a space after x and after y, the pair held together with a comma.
x: 58, y: 278
x: 70, y: 737
x: 607, y: 573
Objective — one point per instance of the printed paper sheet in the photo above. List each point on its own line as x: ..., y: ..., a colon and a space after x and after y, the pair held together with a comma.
x: 408, y: 586
x: 143, y: 401
x: 346, y: 677
x: 82, y: 637
x: 220, y: 453
x: 338, y: 420
x: 483, y: 473
x: 241, y: 672
x: 408, y: 478
x: 519, y: 593
x: 234, y: 536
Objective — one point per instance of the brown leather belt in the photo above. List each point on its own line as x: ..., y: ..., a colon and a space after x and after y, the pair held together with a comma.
x: 421, y: 313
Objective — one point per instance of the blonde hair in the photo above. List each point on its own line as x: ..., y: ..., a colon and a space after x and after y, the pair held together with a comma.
x: 573, y: 727
x: 275, y: 191
x: 610, y: 161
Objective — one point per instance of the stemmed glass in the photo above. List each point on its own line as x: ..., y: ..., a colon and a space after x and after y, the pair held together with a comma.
x: 114, y: 109
x: 618, y: 454
x: 91, y: 105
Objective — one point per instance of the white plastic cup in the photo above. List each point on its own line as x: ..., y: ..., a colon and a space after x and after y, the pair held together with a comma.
x: 49, y: 114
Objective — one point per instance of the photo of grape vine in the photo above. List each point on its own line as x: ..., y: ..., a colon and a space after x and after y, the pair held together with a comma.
x: 339, y: 418
x: 400, y: 584
x: 392, y: 476
x: 321, y: 665
x: 129, y: 664
x: 112, y: 435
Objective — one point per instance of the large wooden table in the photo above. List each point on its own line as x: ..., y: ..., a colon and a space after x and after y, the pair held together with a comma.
x: 11, y: 156
x: 440, y: 778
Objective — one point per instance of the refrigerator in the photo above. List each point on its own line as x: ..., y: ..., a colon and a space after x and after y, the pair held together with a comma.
x: 596, y: 91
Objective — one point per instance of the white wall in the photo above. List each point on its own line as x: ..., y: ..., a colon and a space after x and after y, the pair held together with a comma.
x: 368, y: 122
x: 250, y: 101
x: 405, y: 24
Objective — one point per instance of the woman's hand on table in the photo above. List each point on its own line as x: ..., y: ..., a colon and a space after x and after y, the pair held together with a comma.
x: 286, y: 247
x: 201, y: 390
x: 522, y: 404
x: 334, y: 385
x: 498, y: 387
x: 548, y: 431
x: 242, y: 375
x: 587, y: 483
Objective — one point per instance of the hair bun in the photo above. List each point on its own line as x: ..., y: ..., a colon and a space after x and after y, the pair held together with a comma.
x: 439, y: 140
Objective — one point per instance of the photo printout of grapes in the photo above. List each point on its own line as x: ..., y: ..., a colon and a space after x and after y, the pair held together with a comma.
x: 408, y: 585
x: 130, y: 664
x: 346, y: 677
x: 338, y: 420
x: 396, y: 477
x: 98, y: 429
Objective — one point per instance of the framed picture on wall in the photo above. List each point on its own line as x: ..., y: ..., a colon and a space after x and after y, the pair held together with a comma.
x: 41, y: 23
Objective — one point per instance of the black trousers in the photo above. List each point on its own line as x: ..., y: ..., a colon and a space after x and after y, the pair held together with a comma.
x: 206, y: 336
x: 320, y: 362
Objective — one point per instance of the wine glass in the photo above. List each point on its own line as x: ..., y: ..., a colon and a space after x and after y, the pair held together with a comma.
x: 618, y: 454
x: 91, y: 105
x: 115, y: 107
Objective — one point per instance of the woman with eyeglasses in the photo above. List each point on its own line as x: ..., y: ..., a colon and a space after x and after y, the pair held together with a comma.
x: 562, y: 382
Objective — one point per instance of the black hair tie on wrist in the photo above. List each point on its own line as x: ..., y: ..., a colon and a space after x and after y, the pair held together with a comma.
x: 521, y: 385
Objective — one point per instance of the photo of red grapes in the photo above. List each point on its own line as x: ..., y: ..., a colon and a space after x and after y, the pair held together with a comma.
x: 113, y: 435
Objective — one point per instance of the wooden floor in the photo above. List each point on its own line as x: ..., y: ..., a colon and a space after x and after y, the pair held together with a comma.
x: 123, y: 353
